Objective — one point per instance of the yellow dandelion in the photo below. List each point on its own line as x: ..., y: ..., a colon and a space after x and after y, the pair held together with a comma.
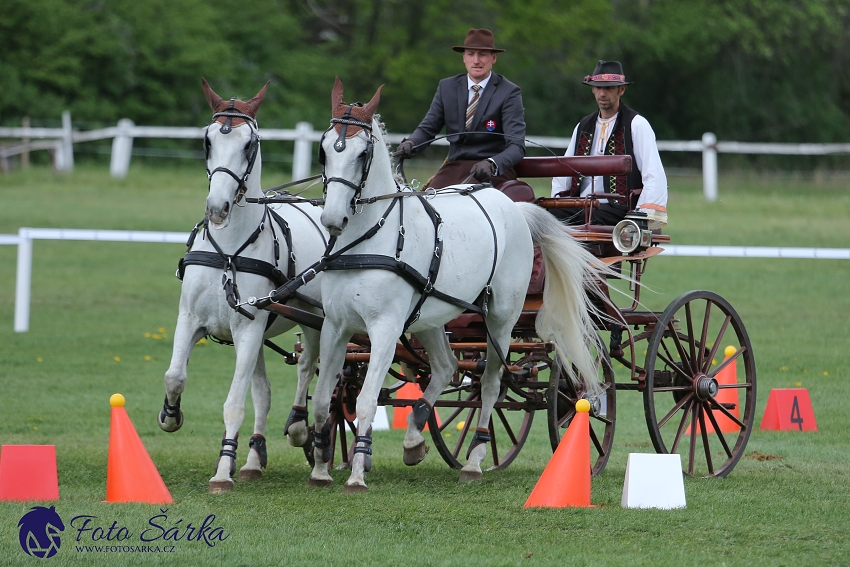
x: 161, y: 329
x: 798, y: 384
x: 147, y: 335
x: 714, y: 361
x: 39, y: 359
x: 825, y: 373
x: 156, y: 337
x: 116, y: 358
x: 202, y: 341
x: 35, y: 427
x: 147, y: 357
x: 783, y: 368
x: 448, y: 434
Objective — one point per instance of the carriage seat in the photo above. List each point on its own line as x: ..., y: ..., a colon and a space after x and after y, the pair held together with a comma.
x: 518, y: 191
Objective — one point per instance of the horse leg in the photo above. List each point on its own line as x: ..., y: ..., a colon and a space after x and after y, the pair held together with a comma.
x: 261, y: 396
x: 491, y: 382
x: 443, y: 366
x: 383, y: 340
x: 246, y: 346
x: 186, y: 334
x: 296, y: 428
x: 333, y: 343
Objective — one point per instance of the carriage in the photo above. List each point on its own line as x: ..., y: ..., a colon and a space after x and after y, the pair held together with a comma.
x: 693, y: 362
x: 495, y: 358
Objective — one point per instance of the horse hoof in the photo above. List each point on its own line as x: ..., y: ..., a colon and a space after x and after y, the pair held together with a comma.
x: 415, y: 455
x: 170, y: 427
x: 250, y: 474
x: 354, y: 488
x: 219, y: 486
x: 469, y: 476
x: 320, y: 482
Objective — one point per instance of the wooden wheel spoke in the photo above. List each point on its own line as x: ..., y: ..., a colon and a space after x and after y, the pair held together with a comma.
x: 705, y: 444
x: 508, y: 429
x: 680, y: 431
x: 727, y: 413
x: 690, y: 322
x: 449, y: 420
x: 680, y: 348
x: 717, y: 342
x: 693, y: 444
x: 464, y: 432
x: 727, y: 361
x: 595, y: 440
x: 493, y: 443
x: 703, y: 335
x: 672, y: 364
x: 721, y: 437
x: 675, y: 409
x: 570, y: 413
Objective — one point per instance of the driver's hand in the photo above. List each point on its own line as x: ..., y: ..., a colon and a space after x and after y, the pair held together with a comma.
x: 483, y: 170
x: 406, y: 148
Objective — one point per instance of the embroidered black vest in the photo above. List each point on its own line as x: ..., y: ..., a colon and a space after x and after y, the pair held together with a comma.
x: 619, y: 143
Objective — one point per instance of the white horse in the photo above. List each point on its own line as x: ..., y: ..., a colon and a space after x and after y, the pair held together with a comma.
x: 483, y: 244
x: 258, y: 246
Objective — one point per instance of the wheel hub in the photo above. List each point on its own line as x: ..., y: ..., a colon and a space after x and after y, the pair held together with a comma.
x: 706, y: 387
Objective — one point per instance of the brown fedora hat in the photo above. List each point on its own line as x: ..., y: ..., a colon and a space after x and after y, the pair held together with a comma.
x: 478, y: 39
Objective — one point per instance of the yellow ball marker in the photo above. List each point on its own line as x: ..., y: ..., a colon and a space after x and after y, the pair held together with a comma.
x: 583, y: 406
x: 460, y: 425
x: 729, y: 351
x: 116, y: 400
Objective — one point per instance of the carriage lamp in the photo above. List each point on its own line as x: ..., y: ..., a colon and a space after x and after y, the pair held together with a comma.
x: 632, y: 232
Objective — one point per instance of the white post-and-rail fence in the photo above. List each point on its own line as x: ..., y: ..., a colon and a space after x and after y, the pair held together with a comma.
x: 61, y: 141
x: 24, y: 240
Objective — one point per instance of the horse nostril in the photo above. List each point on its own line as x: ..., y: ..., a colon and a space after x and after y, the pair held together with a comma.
x: 225, y: 210
x: 344, y: 222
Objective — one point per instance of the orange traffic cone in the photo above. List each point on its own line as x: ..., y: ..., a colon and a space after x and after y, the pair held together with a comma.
x: 565, y: 481
x: 728, y: 375
x: 131, y: 475
x: 410, y: 391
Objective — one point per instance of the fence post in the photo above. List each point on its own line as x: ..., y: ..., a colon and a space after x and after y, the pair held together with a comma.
x: 302, y: 155
x: 23, y: 282
x: 122, y: 149
x: 65, y: 157
x: 709, y: 166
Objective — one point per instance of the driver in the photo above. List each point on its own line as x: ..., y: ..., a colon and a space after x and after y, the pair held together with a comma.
x: 479, y: 101
x: 615, y: 129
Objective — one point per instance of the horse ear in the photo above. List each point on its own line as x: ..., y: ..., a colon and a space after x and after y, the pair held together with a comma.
x: 212, y: 99
x: 255, y: 102
x: 372, y: 105
x: 336, y: 94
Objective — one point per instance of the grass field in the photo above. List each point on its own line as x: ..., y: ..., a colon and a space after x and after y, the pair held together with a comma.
x: 103, y: 314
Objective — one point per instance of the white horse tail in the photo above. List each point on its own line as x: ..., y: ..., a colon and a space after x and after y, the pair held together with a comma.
x: 566, y: 317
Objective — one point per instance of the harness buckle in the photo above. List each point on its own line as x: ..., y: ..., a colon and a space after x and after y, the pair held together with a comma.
x: 308, y: 276
x: 430, y: 193
x: 429, y: 287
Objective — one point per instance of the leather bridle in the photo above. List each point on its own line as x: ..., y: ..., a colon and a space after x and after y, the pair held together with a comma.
x: 251, y: 151
x: 346, y: 120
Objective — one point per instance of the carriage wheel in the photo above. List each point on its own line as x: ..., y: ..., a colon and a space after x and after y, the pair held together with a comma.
x: 343, y: 412
x: 561, y: 408
x: 458, y: 409
x: 689, y: 381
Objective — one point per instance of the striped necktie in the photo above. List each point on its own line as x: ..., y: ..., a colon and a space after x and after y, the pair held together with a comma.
x: 473, y: 104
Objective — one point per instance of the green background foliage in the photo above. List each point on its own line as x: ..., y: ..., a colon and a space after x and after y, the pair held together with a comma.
x: 748, y: 70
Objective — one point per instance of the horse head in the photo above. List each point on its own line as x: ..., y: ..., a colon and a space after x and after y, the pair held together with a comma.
x: 231, y: 147
x: 345, y: 154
